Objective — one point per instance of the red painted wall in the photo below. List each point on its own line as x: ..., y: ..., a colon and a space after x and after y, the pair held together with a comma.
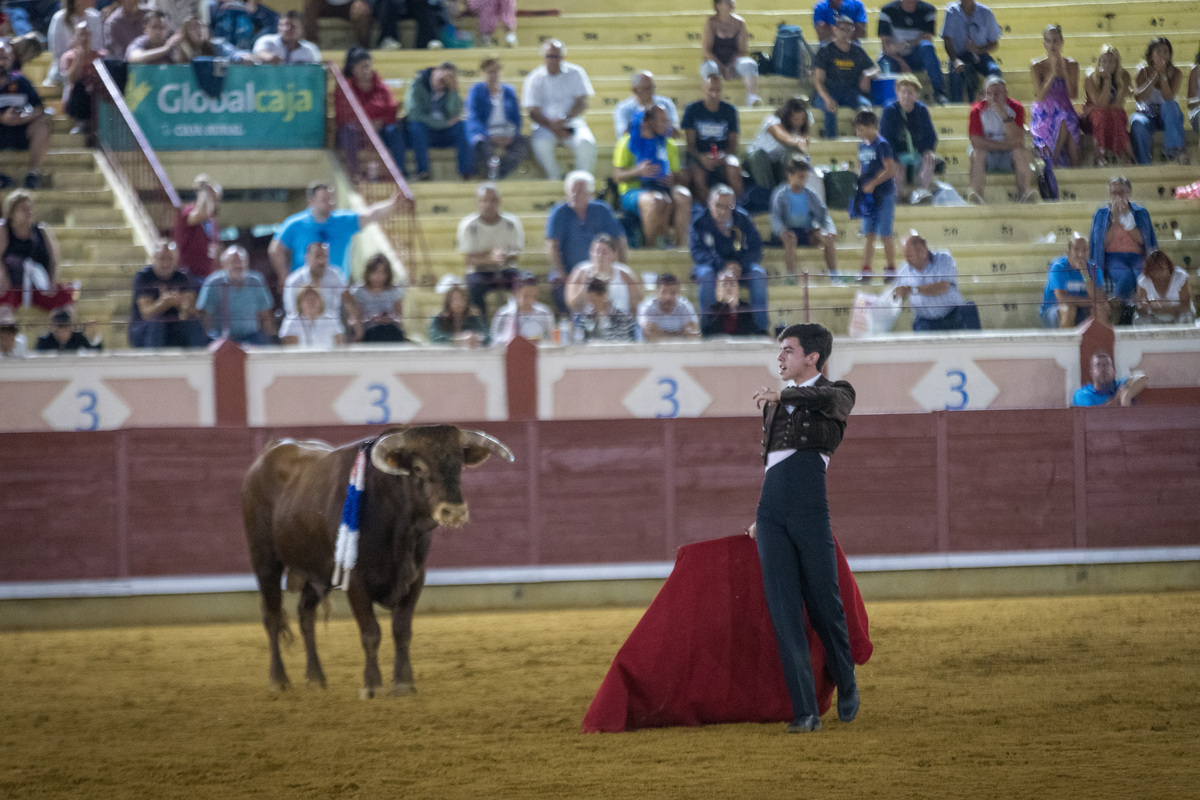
x: 166, y: 502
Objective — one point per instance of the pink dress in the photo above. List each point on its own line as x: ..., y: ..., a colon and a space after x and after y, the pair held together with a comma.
x: 1051, y: 112
x: 492, y: 11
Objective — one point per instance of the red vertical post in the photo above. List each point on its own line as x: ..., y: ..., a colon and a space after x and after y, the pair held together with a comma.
x: 1098, y: 337
x: 520, y: 374
x: 229, y: 383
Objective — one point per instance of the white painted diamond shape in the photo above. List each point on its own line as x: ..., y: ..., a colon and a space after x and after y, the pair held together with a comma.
x: 667, y: 393
x: 376, y: 399
x: 954, y: 384
x: 86, y: 405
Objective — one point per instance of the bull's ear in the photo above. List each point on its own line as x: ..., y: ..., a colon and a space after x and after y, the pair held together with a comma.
x: 477, y: 446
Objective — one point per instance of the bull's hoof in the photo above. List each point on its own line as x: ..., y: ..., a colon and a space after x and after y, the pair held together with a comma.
x: 280, y: 686
x: 317, y: 682
x: 366, y: 693
x: 402, y: 688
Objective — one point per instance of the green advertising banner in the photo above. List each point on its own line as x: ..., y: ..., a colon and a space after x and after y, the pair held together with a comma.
x: 257, y: 107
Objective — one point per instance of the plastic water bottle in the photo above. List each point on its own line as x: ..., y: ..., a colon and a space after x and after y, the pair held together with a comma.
x: 564, y: 331
x: 493, y: 168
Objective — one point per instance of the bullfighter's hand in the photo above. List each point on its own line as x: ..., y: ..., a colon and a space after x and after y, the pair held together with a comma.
x: 764, y: 396
x: 752, y: 530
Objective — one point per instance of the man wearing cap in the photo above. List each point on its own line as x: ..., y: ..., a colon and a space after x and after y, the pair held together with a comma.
x: 12, y: 341
x: 63, y: 336
x: 842, y: 73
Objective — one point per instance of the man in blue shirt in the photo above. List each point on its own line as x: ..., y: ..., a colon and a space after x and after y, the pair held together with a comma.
x: 826, y: 12
x: 1105, y: 389
x: 970, y: 34
x: 234, y: 302
x: 724, y: 237
x: 928, y: 279
x: 323, y: 222
x: 1067, y: 299
x: 570, y: 228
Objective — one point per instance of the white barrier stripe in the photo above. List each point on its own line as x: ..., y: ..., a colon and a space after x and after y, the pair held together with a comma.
x: 655, y: 570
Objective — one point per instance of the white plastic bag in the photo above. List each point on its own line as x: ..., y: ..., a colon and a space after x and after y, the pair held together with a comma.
x: 874, y: 314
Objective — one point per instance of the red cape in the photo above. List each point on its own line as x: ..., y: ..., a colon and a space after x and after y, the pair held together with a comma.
x: 705, y: 650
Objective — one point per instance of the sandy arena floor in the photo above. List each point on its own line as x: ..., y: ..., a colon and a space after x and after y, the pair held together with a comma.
x: 1083, y: 697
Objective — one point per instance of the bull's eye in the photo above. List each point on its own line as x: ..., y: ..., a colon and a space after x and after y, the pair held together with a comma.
x: 418, y: 469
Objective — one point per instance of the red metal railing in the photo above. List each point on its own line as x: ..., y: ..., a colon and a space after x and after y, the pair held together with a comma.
x: 376, y: 177
x: 125, y: 147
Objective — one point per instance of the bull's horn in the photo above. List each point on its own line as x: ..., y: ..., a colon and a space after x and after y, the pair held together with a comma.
x: 489, y: 443
x: 384, y: 447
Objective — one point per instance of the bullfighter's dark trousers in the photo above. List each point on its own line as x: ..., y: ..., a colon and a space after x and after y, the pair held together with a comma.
x: 799, y: 569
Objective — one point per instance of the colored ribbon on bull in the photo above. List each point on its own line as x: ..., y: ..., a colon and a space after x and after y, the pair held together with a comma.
x: 345, y: 554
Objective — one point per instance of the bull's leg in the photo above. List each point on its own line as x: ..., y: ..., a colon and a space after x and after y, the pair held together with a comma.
x: 309, y: 599
x: 274, y: 620
x: 368, y: 627
x: 402, y: 615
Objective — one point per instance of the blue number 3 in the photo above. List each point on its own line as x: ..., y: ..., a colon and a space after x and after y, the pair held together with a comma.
x: 88, y: 410
x: 380, y: 402
x: 958, y: 389
x: 671, y: 387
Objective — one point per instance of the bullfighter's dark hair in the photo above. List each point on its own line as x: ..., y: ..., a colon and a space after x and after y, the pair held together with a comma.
x: 813, y: 338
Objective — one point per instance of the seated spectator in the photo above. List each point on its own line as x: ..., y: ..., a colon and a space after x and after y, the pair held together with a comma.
x: 523, y: 315
x: 826, y: 13
x: 1107, y: 88
x: 782, y: 135
x: 163, y: 313
x: 970, y: 34
x: 644, y: 94
x: 377, y: 103
x: 928, y: 279
x: 646, y: 168
x: 456, y: 324
x: 729, y: 315
x: 378, y: 303
x: 494, y: 124
x: 434, y: 111
x: 799, y: 218
x: 600, y: 320
x: 288, y: 46
x: 1121, y: 237
x: 724, y: 45
x: 234, y: 302
x: 1105, y: 389
x: 906, y: 29
x: 126, y: 22
x: 1193, y: 94
x: 908, y: 128
x: 177, y: 12
x: 310, y: 327
x: 875, y: 200
x: 723, y: 237
x: 30, y: 254
x: 323, y: 221
x: 357, y: 12
x: 1163, y: 294
x: 488, y: 13
x: 997, y: 132
x: 710, y: 126
x: 24, y: 124
x: 196, y: 232
x: 1155, y: 89
x: 62, y: 33
x: 316, y: 273
x: 667, y: 315
x: 80, y: 77
x: 572, y: 226
x: 65, y: 337
x: 1070, y: 292
x: 197, y: 42
x: 157, y: 45
x: 12, y: 342
x: 430, y: 16
x: 239, y: 24
x: 556, y: 95
x: 491, y: 242
x: 1054, y: 123
x: 842, y: 73
x: 623, y: 291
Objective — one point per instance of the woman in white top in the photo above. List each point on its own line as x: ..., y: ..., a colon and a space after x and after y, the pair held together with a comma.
x: 1163, y: 295
x: 310, y: 328
x: 782, y: 133
x: 624, y: 291
x: 62, y: 32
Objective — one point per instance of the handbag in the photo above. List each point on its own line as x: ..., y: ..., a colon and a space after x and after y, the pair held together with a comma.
x: 1047, y: 182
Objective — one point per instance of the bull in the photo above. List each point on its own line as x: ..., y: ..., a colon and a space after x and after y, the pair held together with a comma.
x: 292, y: 499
